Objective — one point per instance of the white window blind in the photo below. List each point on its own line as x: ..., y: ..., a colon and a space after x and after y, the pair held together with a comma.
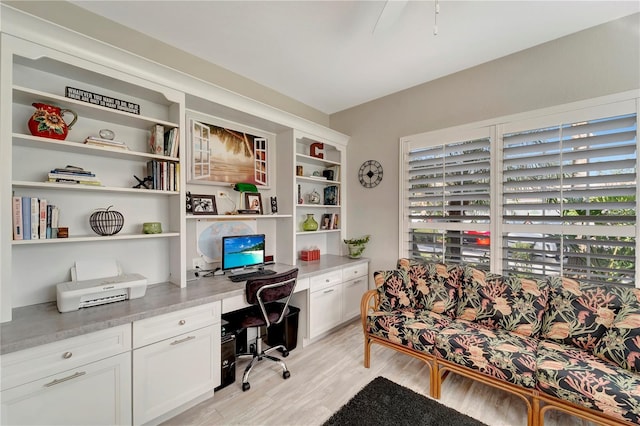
x: 549, y: 192
x: 569, y: 199
x: 449, y: 201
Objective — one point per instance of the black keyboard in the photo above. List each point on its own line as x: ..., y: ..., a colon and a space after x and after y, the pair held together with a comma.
x: 236, y: 278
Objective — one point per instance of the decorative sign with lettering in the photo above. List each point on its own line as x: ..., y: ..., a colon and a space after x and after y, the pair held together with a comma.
x: 102, y: 100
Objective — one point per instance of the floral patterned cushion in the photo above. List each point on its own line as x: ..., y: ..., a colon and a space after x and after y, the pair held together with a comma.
x: 580, y: 377
x: 621, y: 342
x: 410, y: 328
x: 435, y: 285
x: 578, y: 313
x: 498, y: 353
x: 510, y: 303
x: 394, y: 290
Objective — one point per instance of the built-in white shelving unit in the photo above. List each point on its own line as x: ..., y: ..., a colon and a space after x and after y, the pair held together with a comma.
x: 34, y: 72
x: 306, y: 176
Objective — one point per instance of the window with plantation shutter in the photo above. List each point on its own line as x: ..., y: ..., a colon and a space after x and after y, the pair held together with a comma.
x: 545, y: 193
x: 448, y: 205
x: 569, y: 199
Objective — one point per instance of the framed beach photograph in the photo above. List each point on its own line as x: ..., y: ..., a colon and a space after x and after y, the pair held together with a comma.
x: 203, y: 204
x: 221, y: 152
x: 253, y: 201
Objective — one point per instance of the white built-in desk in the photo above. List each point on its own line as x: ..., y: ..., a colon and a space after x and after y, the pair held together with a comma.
x: 40, y: 324
x: 121, y: 357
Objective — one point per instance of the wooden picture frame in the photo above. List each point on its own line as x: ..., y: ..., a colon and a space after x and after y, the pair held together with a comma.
x: 203, y: 204
x: 253, y: 201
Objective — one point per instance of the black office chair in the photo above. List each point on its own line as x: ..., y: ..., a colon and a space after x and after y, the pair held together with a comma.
x: 270, y: 295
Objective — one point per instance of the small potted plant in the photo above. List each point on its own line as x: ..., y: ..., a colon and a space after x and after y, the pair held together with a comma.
x: 356, y: 246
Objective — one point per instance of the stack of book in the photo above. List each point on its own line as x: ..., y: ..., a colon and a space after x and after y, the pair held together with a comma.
x: 34, y: 219
x: 105, y: 143
x: 72, y: 174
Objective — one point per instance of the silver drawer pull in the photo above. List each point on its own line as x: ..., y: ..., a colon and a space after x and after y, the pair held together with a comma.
x: 67, y: 355
x: 186, y: 339
x: 64, y: 379
x: 355, y: 282
x: 182, y: 322
x: 329, y: 291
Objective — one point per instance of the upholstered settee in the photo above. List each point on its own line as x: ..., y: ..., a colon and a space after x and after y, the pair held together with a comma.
x: 556, y: 343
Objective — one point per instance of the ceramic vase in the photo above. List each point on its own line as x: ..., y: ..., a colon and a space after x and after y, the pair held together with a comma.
x: 310, y: 223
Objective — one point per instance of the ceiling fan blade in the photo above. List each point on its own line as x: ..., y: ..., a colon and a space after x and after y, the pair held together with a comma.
x: 389, y: 15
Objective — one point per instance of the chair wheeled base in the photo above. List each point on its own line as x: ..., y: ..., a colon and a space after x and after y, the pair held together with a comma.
x: 258, y: 355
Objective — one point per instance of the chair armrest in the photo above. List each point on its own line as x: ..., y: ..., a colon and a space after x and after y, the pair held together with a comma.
x: 370, y: 301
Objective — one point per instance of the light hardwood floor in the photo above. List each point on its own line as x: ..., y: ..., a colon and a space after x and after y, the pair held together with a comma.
x: 329, y: 372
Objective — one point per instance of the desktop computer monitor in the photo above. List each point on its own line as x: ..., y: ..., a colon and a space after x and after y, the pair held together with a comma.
x: 242, y: 251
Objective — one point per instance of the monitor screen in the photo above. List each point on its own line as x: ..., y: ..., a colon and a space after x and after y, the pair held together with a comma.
x: 242, y: 251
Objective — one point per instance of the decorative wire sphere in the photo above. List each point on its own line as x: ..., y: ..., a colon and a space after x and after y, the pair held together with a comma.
x: 106, y: 222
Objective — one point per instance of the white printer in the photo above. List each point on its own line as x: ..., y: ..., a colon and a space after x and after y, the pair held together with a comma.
x: 97, y: 283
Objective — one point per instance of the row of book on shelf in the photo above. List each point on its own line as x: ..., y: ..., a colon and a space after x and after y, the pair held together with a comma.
x: 163, y: 142
x: 165, y: 175
x: 34, y: 218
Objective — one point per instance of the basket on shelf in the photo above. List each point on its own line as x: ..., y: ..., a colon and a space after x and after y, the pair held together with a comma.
x: 106, y: 222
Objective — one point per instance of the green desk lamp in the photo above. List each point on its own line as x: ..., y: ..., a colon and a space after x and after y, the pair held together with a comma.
x: 243, y: 187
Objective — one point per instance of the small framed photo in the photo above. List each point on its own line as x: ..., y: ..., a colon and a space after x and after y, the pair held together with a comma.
x: 335, y: 221
x: 253, y: 201
x: 325, y: 222
x: 203, y: 204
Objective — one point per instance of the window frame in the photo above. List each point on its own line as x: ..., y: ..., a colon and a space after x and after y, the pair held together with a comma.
x: 607, y: 106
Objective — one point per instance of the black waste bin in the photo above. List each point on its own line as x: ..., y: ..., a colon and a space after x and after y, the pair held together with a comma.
x: 285, y: 333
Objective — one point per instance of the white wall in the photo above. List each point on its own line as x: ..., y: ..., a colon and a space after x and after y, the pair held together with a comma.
x: 596, y: 62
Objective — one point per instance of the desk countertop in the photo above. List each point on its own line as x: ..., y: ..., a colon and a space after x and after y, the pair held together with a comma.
x: 42, y: 323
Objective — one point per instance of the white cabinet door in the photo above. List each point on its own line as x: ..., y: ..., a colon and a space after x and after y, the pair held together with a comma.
x: 98, y: 393
x: 172, y: 372
x: 325, y: 310
x: 353, y: 291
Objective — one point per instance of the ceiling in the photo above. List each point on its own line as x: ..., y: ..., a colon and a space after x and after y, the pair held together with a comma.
x: 327, y: 55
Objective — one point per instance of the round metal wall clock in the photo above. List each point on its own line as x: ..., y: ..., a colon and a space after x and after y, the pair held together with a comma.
x: 370, y: 173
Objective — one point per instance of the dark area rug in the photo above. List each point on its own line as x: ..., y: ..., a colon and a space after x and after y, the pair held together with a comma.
x: 383, y: 402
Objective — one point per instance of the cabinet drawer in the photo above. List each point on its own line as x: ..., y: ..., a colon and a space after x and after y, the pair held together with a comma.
x: 35, y: 363
x: 355, y: 271
x: 328, y: 279
x: 92, y: 394
x: 162, y: 327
